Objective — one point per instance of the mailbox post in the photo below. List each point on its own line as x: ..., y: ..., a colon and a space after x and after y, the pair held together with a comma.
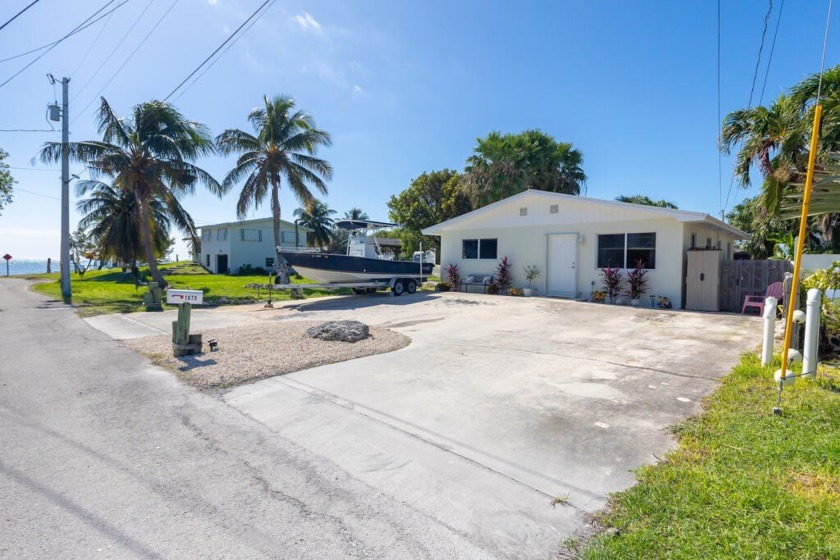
x: 184, y: 343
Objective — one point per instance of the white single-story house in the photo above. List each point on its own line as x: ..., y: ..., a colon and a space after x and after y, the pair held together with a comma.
x: 228, y: 246
x: 571, y: 238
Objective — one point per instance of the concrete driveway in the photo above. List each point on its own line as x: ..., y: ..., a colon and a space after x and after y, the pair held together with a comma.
x: 499, y: 406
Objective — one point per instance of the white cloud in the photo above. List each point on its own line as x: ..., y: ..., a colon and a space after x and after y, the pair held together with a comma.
x: 308, y: 22
x: 357, y: 89
x: 212, y: 2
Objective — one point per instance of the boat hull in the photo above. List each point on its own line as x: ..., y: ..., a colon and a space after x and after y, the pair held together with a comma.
x: 333, y: 269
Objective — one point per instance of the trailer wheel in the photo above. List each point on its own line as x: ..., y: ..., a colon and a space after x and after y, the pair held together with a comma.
x: 399, y: 287
x: 411, y: 286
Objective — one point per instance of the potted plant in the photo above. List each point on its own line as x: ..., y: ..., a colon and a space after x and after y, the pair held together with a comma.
x: 613, y: 282
x: 531, y: 273
x: 504, y: 277
x: 636, y: 282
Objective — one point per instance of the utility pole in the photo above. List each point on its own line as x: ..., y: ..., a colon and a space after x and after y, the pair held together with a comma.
x: 65, y: 190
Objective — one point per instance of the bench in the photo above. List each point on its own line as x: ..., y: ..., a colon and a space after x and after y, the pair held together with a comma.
x: 483, y: 280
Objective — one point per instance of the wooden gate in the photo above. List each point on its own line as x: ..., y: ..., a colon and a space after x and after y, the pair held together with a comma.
x: 743, y: 278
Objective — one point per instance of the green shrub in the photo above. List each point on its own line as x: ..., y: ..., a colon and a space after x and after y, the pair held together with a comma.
x: 248, y: 270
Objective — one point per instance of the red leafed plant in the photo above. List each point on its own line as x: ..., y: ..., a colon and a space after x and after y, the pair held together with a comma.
x: 453, y: 274
x: 504, y: 277
x: 636, y: 281
x: 613, y: 282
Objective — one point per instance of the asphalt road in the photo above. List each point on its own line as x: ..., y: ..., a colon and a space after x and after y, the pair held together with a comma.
x: 104, y: 456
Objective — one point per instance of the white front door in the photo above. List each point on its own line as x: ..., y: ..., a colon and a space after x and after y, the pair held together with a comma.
x: 562, y: 265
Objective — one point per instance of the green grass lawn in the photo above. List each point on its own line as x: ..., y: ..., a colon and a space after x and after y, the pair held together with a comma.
x: 112, y: 291
x: 743, y: 483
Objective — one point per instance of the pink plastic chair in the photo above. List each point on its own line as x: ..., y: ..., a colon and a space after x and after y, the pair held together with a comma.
x: 776, y: 290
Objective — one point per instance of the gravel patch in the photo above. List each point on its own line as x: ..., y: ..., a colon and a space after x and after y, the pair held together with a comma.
x: 252, y: 352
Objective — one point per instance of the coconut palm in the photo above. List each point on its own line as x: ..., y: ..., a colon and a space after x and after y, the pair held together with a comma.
x: 772, y: 138
x: 284, y: 147
x: 356, y: 214
x: 111, y: 218
x: 149, y: 154
x: 317, y: 219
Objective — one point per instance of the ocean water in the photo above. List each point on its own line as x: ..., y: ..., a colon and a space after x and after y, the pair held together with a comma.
x: 27, y: 266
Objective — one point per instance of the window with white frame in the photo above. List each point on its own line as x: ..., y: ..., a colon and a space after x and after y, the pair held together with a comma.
x: 289, y: 237
x: 479, y: 248
x: 207, y: 260
x: 206, y: 234
x: 221, y: 235
x: 623, y: 250
x: 250, y: 234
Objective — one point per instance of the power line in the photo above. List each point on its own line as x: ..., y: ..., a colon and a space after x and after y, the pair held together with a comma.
x: 752, y: 88
x: 113, y: 52
x: 14, y: 17
x: 197, y: 78
x: 772, y: 48
x: 825, y: 42
x: 760, y: 49
x: 27, y: 130
x: 720, y: 131
x: 93, y: 44
x: 74, y: 32
x: 130, y: 56
x: 34, y: 169
x: 225, y: 42
x: 55, y: 44
x: 18, y: 189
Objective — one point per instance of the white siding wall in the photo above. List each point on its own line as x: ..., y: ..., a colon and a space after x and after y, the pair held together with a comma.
x: 527, y: 244
x: 241, y: 253
x: 214, y: 247
x: 812, y: 263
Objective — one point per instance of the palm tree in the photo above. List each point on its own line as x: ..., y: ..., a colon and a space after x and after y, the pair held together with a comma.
x: 356, y: 214
x: 773, y: 138
x: 645, y: 200
x: 149, y: 154
x: 317, y: 219
x: 825, y: 202
x: 503, y: 165
x: 111, y: 218
x: 285, y: 145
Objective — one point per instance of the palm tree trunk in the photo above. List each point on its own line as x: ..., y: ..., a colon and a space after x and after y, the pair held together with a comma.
x: 282, y: 269
x: 146, y: 238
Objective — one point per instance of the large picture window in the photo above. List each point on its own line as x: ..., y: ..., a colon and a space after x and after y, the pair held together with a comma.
x: 479, y: 248
x: 611, y: 251
x: 206, y: 234
x: 620, y: 250
x: 641, y: 246
x: 221, y: 235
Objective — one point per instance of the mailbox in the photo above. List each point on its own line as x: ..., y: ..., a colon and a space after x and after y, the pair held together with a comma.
x: 193, y: 297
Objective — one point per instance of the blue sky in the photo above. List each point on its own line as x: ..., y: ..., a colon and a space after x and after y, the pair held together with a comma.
x: 406, y: 87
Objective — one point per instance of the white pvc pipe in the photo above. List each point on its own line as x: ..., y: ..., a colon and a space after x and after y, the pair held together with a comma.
x: 812, y: 334
x: 770, y: 306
